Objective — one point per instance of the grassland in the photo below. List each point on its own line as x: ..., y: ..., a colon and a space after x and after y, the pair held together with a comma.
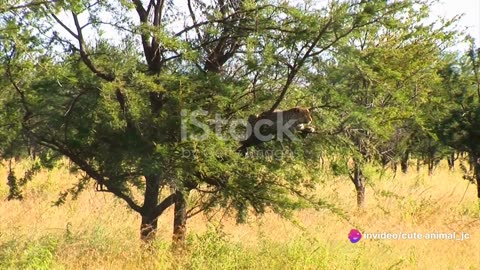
x: 97, y: 231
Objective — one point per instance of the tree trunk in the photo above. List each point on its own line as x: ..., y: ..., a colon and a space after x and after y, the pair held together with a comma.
x: 360, y: 196
x: 179, y: 221
x: 394, y: 167
x: 32, y: 147
x: 148, y: 228
x: 404, y: 162
x: 358, y: 181
x: 472, y: 160
x: 451, y: 161
x: 430, y: 167
x: 149, y: 217
x: 478, y: 187
x: 476, y: 168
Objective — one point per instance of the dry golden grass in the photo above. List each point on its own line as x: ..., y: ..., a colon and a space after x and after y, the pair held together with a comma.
x: 97, y: 231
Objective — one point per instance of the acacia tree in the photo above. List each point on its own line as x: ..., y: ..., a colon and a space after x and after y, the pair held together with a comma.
x: 380, y: 77
x: 457, y: 124
x: 104, y: 84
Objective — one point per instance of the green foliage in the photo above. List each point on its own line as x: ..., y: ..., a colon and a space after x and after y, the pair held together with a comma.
x: 117, y: 108
x: 458, y: 124
x: 38, y: 254
x: 377, y: 84
x: 213, y: 249
x: 13, y: 187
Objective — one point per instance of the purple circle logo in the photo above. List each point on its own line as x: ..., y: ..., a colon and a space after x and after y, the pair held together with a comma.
x: 354, y: 235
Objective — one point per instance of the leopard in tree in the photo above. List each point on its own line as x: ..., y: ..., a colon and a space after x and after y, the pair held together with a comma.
x: 264, y: 126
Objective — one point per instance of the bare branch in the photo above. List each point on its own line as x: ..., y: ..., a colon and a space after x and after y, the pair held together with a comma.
x: 194, y: 20
x: 84, y: 55
x: 150, y: 5
x: 157, y: 15
x: 141, y: 10
x: 64, y: 26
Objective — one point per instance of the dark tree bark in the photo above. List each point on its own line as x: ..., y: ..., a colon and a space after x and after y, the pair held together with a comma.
x: 179, y: 220
x: 432, y: 162
x: 477, y: 176
x: 360, y: 196
x: 404, y: 162
x: 478, y: 183
x: 148, y: 228
x: 472, y: 160
x: 149, y: 217
x: 394, y: 167
x: 476, y: 169
x: 451, y: 161
x: 358, y: 180
x: 431, y: 166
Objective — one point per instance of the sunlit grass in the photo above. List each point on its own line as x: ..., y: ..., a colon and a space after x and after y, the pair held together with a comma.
x: 100, y: 232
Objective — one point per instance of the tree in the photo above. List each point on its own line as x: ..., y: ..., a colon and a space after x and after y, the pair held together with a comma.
x: 458, y: 128
x: 380, y: 77
x: 108, y: 84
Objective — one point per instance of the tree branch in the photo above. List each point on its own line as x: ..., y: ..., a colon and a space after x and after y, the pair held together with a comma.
x: 298, y: 64
x: 69, y: 111
x: 141, y: 10
x: 23, y: 99
x: 101, y: 180
x: 88, y: 169
x: 63, y: 25
x: 167, y: 202
x: 83, y: 53
x: 194, y: 20
x: 27, y: 5
x: 143, y: 16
